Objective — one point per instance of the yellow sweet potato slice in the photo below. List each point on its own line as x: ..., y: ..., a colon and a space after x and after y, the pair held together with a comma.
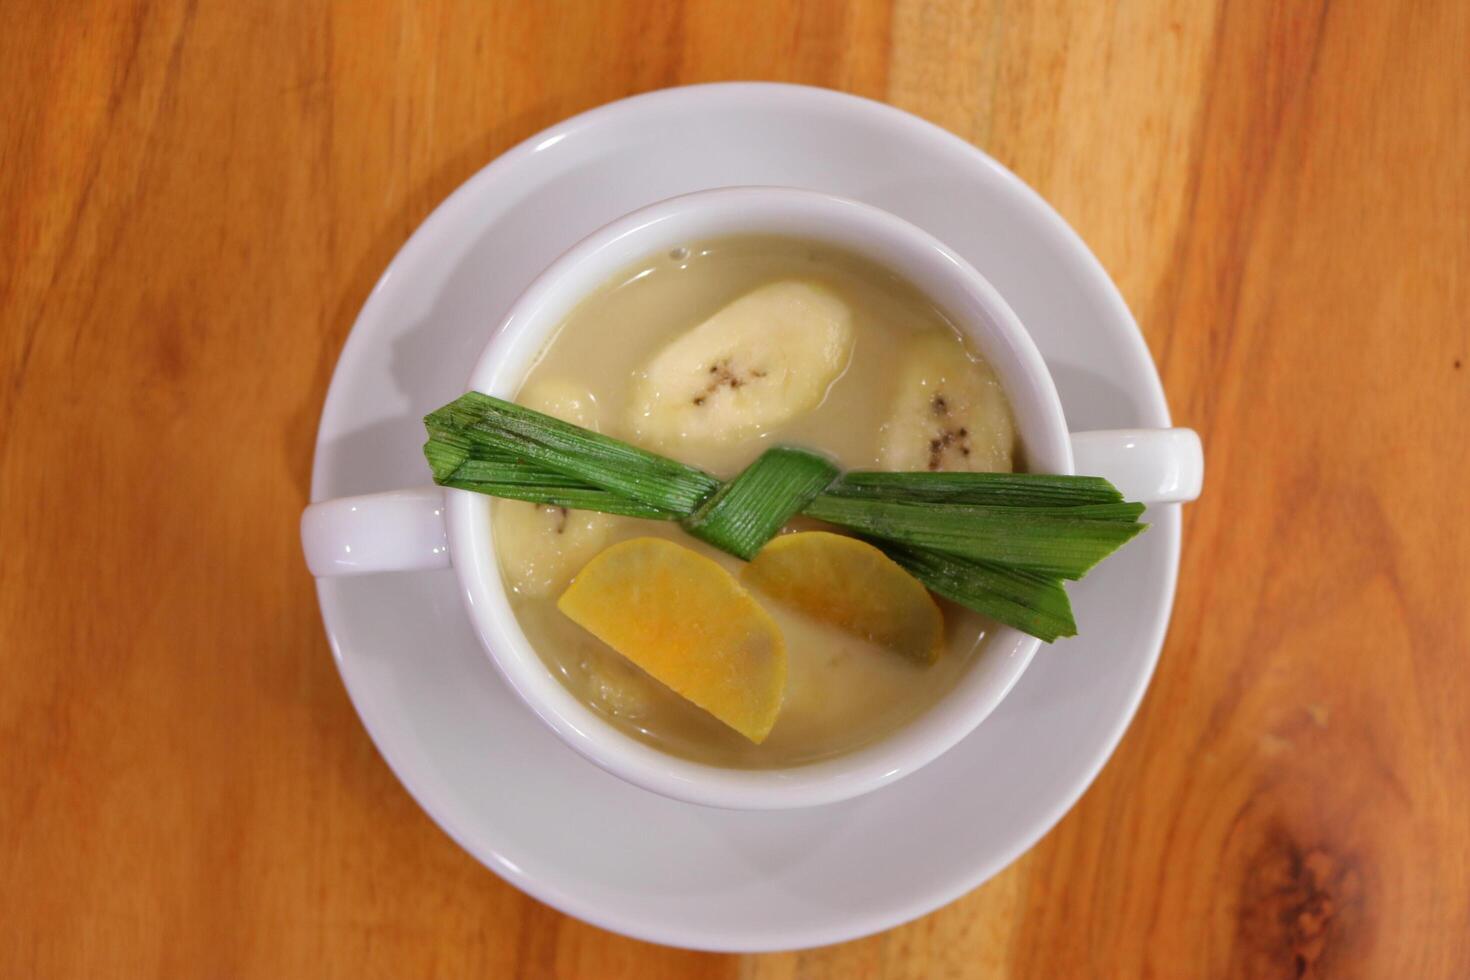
x: 852, y: 585
x: 689, y: 624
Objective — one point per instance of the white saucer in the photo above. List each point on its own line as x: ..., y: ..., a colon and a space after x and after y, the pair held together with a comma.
x: 530, y: 808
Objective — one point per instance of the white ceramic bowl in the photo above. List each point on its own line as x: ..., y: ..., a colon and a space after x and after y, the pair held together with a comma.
x: 428, y: 528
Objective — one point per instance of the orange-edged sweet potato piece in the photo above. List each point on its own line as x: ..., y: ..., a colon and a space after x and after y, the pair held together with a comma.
x: 852, y: 585
x: 689, y: 624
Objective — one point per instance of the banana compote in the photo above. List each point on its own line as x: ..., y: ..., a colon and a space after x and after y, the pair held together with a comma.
x: 710, y: 354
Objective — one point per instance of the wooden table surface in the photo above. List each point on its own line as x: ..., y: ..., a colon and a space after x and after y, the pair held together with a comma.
x: 195, y: 199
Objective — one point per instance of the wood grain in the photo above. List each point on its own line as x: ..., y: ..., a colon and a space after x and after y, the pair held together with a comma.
x: 195, y: 199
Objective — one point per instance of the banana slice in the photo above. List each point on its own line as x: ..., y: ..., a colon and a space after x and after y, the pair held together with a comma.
x: 765, y: 358
x: 541, y: 547
x: 949, y: 412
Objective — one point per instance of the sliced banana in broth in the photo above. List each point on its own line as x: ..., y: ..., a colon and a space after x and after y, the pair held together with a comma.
x: 949, y: 412
x: 760, y: 361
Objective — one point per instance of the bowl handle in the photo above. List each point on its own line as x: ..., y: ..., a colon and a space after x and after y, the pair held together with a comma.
x: 1155, y: 466
x: 401, y: 530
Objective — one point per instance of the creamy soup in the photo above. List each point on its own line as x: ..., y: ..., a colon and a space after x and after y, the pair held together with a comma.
x: 892, y: 387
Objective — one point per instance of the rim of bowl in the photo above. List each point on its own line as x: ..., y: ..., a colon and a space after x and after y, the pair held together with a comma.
x: 531, y: 324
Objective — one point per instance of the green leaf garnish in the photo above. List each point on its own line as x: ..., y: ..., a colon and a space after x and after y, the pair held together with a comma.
x: 1048, y: 542
x: 1030, y: 602
x: 749, y: 510
x: 571, y: 450
x: 998, y: 543
x: 1001, y: 489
